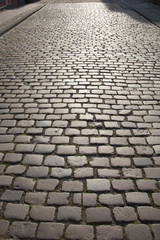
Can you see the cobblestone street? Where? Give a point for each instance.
(80, 124)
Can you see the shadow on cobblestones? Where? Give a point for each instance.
(80, 125)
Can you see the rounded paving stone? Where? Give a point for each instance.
(138, 232)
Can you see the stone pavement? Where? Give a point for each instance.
(9, 18)
(80, 124)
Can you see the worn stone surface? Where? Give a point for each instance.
(58, 198)
(80, 123)
(111, 199)
(138, 232)
(69, 214)
(98, 215)
(109, 232)
(23, 229)
(156, 230)
(149, 214)
(50, 230)
(16, 211)
(80, 232)
(39, 213)
(124, 214)
(98, 185)
(3, 227)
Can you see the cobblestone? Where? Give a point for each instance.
(3, 227)
(47, 184)
(156, 230)
(124, 214)
(98, 215)
(11, 196)
(35, 197)
(39, 213)
(80, 123)
(61, 172)
(23, 229)
(149, 214)
(24, 183)
(137, 198)
(138, 231)
(37, 172)
(98, 185)
(111, 199)
(109, 232)
(50, 230)
(16, 211)
(67, 213)
(81, 232)
(58, 198)
(5, 180)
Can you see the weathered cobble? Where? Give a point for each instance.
(80, 124)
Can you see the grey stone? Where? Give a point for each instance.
(54, 161)
(25, 148)
(111, 199)
(123, 185)
(152, 172)
(83, 172)
(16, 169)
(47, 184)
(77, 199)
(11, 196)
(138, 232)
(16, 211)
(44, 148)
(156, 198)
(89, 199)
(125, 151)
(5, 180)
(103, 150)
(108, 173)
(156, 230)
(109, 232)
(142, 161)
(100, 162)
(120, 162)
(35, 197)
(36, 172)
(4, 147)
(124, 214)
(40, 139)
(61, 172)
(67, 213)
(60, 140)
(13, 157)
(72, 186)
(87, 150)
(66, 150)
(149, 214)
(58, 198)
(23, 229)
(24, 183)
(137, 198)
(144, 150)
(77, 161)
(98, 215)
(132, 173)
(50, 230)
(146, 185)
(98, 185)
(3, 227)
(81, 232)
(33, 159)
(40, 213)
